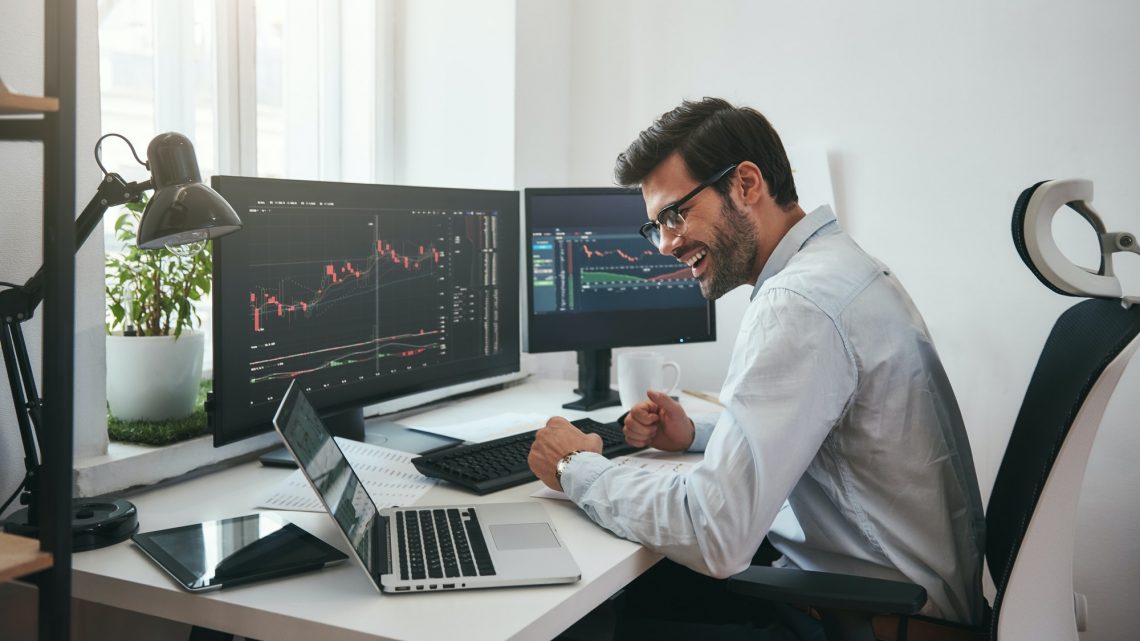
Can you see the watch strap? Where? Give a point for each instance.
(561, 465)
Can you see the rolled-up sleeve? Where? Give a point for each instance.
(790, 380)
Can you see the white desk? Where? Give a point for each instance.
(340, 602)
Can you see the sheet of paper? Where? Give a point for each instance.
(388, 475)
(647, 462)
(486, 429)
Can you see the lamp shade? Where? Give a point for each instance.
(183, 209)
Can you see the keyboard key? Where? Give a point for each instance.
(415, 546)
(478, 545)
(462, 547)
(431, 545)
(446, 544)
(401, 538)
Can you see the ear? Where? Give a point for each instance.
(749, 186)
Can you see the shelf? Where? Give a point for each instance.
(14, 103)
(20, 555)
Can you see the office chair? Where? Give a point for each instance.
(1031, 516)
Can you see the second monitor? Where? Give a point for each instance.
(596, 284)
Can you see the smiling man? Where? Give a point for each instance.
(840, 442)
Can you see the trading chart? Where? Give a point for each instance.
(339, 296)
(585, 271)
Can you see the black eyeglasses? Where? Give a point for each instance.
(671, 218)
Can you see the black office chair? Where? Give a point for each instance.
(1031, 516)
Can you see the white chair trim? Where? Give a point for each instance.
(1038, 598)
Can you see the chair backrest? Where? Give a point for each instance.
(1031, 516)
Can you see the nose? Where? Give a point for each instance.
(669, 241)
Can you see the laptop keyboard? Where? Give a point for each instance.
(502, 463)
(441, 543)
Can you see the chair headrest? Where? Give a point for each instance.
(1033, 236)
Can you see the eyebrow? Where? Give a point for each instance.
(674, 204)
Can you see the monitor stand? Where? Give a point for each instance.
(594, 381)
(351, 424)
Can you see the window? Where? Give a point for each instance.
(250, 85)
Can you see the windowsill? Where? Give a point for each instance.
(127, 465)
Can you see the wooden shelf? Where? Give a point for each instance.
(14, 103)
(20, 555)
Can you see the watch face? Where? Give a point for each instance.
(561, 465)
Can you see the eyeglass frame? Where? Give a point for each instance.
(653, 227)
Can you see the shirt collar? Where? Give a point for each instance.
(792, 242)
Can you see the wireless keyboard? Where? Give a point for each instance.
(501, 463)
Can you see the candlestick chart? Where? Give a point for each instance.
(344, 297)
(581, 272)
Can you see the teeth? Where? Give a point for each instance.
(695, 257)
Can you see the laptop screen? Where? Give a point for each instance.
(322, 462)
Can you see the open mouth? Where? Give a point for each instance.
(696, 261)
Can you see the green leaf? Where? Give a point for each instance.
(164, 287)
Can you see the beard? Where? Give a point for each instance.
(733, 249)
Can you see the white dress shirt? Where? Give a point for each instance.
(841, 440)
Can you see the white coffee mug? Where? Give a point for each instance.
(638, 372)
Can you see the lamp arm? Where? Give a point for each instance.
(17, 305)
(26, 401)
(113, 191)
(24, 394)
(173, 171)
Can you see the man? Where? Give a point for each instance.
(840, 439)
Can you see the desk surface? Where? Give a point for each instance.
(339, 601)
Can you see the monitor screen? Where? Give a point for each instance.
(594, 283)
(362, 293)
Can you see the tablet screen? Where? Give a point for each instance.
(233, 551)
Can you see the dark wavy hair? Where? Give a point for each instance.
(711, 134)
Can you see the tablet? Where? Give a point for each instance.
(228, 552)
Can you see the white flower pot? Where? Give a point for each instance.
(153, 378)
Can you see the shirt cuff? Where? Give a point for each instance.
(580, 473)
(703, 425)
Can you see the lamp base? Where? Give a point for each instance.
(95, 523)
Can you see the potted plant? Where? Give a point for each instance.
(154, 359)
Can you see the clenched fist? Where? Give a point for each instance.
(554, 441)
(659, 422)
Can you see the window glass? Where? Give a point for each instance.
(270, 53)
(314, 76)
(147, 89)
(126, 77)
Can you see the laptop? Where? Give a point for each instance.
(420, 549)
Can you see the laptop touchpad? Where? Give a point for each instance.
(523, 536)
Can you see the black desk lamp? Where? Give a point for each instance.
(182, 210)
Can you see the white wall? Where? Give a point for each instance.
(935, 115)
(454, 93)
(21, 237)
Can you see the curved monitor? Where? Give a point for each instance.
(594, 284)
(362, 293)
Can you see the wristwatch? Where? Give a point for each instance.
(560, 466)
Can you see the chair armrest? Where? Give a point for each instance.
(825, 590)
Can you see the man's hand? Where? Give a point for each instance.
(554, 441)
(659, 422)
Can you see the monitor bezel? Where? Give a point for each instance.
(560, 333)
(228, 424)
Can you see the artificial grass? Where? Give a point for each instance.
(163, 432)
